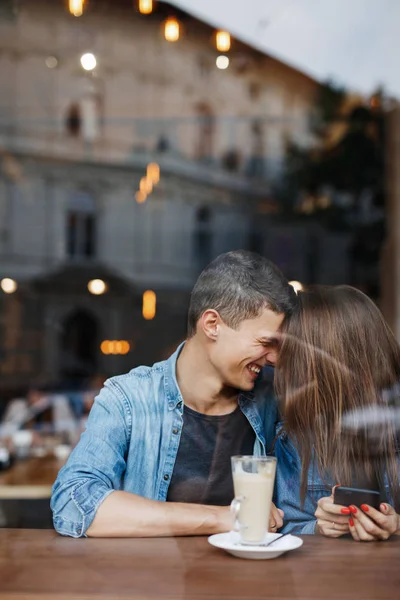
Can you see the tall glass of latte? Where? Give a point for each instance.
(253, 482)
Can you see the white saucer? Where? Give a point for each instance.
(231, 544)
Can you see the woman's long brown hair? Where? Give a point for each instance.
(337, 356)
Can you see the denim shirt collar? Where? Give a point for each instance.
(172, 392)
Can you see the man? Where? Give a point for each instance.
(155, 457)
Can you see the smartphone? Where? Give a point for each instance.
(347, 496)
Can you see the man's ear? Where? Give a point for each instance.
(210, 324)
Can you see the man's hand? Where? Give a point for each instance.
(275, 518)
(332, 519)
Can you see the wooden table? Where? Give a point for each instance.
(41, 565)
(30, 479)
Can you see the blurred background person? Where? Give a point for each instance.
(32, 411)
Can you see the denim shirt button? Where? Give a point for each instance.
(79, 531)
(166, 477)
(179, 405)
(175, 431)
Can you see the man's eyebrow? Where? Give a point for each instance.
(265, 339)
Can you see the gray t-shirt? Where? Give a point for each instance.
(202, 472)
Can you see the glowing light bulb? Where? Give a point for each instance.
(145, 7)
(97, 287)
(149, 305)
(172, 29)
(223, 41)
(222, 62)
(9, 286)
(88, 61)
(76, 7)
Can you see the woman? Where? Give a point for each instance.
(339, 364)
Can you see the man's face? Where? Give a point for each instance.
(240, 354)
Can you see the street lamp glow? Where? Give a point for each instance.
(9, 286)
(97, 287)
(88, 61)
(222, 62)
(298, 287)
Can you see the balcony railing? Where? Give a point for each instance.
(245, 148)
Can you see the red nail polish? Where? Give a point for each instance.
(364, 507)
(351, 522)
(353, 509)
(384, 507)
(345, 511)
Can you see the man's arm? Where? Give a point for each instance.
(127, 515)
(87, 499)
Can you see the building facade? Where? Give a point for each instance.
(75, 146)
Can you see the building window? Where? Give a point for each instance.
(254, 90)
(203, 66)
(256, 164)
(73, 121)
(81, 226)
(203, 237)
(206, 132)
(9, 191)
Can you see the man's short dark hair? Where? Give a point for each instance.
(239, 285)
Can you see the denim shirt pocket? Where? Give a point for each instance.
(317, 490)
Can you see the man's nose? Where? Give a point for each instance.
(271, 357)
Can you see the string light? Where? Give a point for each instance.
(153, 172)
(149, 305)
(146, 186)
(223, 41)
(76, 7)
(140, 197)
(145, 7)
(171, 29)
(115, 347)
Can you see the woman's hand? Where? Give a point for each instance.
(369, 525)
(275, 518)
(332, 519)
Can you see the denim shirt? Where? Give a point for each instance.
(299, 518)
(131, 442)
